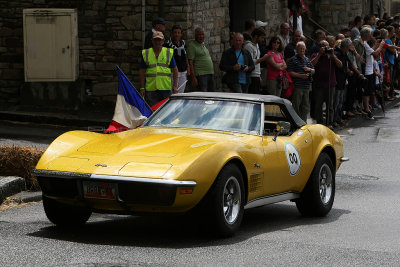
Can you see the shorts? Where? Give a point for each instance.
(369, 87)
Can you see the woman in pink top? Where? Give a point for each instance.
(275, 65)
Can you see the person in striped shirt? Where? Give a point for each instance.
(301, 70)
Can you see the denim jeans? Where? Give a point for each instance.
(206, 83)
(338, 105)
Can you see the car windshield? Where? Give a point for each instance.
(223, 115)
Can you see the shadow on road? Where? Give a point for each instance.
(180, 231)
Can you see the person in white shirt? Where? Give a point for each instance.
(366, 35)
(299, 20)
(258, 36)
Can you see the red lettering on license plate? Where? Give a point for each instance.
(99, 190)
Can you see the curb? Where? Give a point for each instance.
(10, 185)
(29, 196)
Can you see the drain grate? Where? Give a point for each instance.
(358, 177)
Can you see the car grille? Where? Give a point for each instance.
(59, 187)
(255, 183)
(152, 194)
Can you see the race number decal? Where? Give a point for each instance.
(293, 158)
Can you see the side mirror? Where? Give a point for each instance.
(282, 128)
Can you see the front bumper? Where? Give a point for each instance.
(130, 191)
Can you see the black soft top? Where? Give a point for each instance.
(245, 97)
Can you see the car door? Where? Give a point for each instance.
(287, 156)
(295, 151)
(276, 179)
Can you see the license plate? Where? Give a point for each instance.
(99, 190)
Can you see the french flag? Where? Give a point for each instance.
(130, 109)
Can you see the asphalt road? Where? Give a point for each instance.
(362, 229)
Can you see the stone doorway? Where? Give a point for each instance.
(240, 11)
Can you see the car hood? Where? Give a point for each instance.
(155, 142)
(144, 152)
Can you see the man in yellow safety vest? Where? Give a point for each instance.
(155, 71)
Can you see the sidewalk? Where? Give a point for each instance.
(80, 118)
(358, 119)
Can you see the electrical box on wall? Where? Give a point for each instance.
(51, 51)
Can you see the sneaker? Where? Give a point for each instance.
(370, 116)
(377, 105)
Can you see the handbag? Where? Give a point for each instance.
(287, 84)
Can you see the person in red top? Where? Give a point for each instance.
(275, 65)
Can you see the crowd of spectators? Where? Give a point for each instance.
(352, 73)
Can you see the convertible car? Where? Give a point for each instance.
(216, 153)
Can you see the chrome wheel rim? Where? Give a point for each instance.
(325, 183)
(231, 200)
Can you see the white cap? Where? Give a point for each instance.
(259, 24)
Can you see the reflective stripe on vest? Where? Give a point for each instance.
(158, 72)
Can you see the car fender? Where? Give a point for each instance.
(325, 140)
(64, 145)
(209, 164)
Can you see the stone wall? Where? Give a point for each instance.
(335, 15)
(110, 33)
(213, 17)
(276, 12)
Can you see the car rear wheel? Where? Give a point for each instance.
(63, 214)
(318, 195)
(226, 201)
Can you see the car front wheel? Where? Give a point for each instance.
(319, 193)
(226, 202)
(63, 214)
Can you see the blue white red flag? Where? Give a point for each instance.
(130, 109)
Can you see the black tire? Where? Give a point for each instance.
(225, 201)
(318, 195)
(65, 215)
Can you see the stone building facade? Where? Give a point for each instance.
(110, 33)
(335, 15)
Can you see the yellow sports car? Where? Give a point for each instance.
(218, 153)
